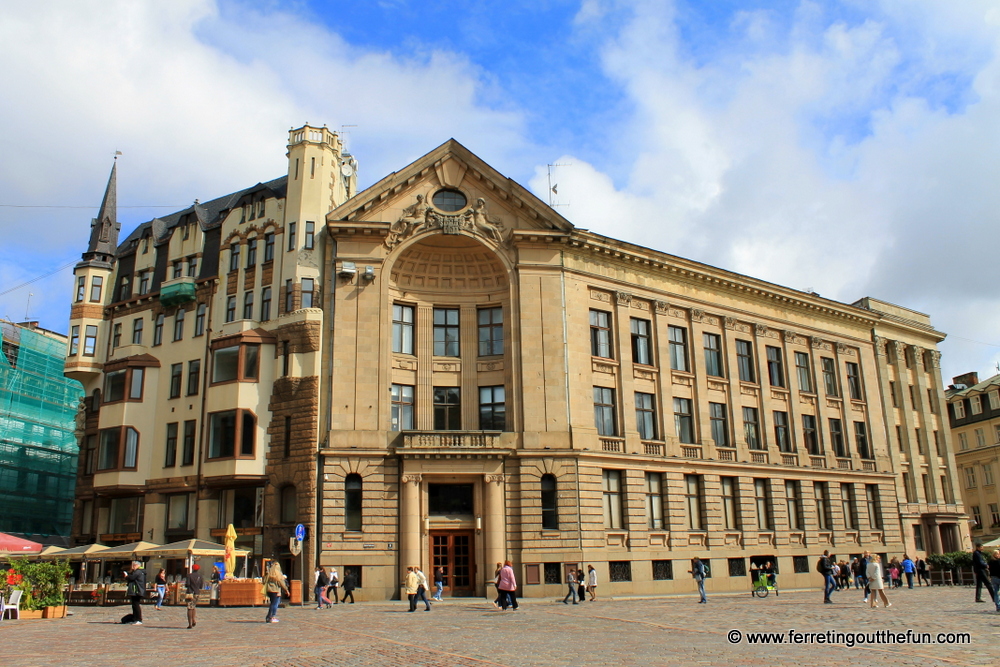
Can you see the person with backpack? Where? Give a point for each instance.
(698, 573)
(332, 587)
(825, 567)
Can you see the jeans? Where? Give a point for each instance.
(321, 599)
(701, 589)
(272, 607)
(508, 599)
(422, 595)
(161, 591)
(909, 579)
(440, 589)
(348, 592)
(572, 593)
(829, 587)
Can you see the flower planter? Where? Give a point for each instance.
(31, 613)
(54, 612)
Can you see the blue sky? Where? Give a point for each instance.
(845, 146)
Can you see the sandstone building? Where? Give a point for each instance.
(442, 370)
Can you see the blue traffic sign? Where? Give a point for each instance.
(300, 532)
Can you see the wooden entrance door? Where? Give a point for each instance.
(452, 551)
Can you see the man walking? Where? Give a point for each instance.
(697, 571)
(421, 587)
(825, 567)
(982, 571)
(136, 579)
(908, 569)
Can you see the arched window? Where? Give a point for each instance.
(550, 511)
(352, 502)
(289, 504)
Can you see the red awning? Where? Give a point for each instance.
(16, 545)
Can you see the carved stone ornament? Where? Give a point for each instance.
(879, 345)
(816, 342)
(935, 359)
(420, 215)
(498, 479)
(415, 479)
(661, 307)
(599, 296)
(918, 355)
(623, 298)
(730, 322)
(697, 315)
(760, 329)
(792, 337)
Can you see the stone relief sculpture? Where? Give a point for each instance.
(414, 216)
(423, 216)
(482, 223)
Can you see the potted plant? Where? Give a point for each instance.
(42, 586)
(941, 568)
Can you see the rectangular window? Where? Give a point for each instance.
(194, 377)
(179, 324)
(137, 331)
(642, 348)
(309, 239)
(907, 487)
(713, 355)
(930, 401)
(135, 384)
(762, 496)
(803, 372)
(447, 409)
(600, 334)
(74, 340)
(645, 415)
(692, 502)
(291, 236)
(114, 386)
(492, 408)
(158, 330)
(994, 399)
(230, 308)
(781, 435)
(751, 428)
(177, 268)
(446, 332)
(265, 304)
(977, 518)
(490, 331)
(793, 500)
(402, 407)
(269, 247)
(402, 329)
(775, 367)
(683, 421)
(116, 335)
(720, 423)
(744, 360)
(861, 438)
(176, 372)
(854, 381)
(612, 488)
(232, 433)
(199, 319)
(925, 480)
(144, 282)
(678, 348)
(251, 253)
(96, 283)
(809, 436)
(987, 474)
(125, 288)
(193, 266)
(236, 362)
(81, 288)
(822, 505)
(234, 257)
(874, 506)
(980, 437)
(730, 504)
(837, 438)
(937, 443)
(90, 340)
(663, 570)
(308, 289)
(171, 450)
(604, 411)
(975, 404)
(959, 409)
(994, 515)
(892, 394)
(187, 450)
(970, 478)
(654, 500)
(963, 441)
(248, 306)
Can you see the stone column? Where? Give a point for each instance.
(494, 540)
(934, 533)
(409, 516)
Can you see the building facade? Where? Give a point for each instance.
(974, 412)
(38, 444)
(448, 373)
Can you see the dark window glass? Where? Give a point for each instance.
(775, 367)
(268, 246)
(199, 319)
(248, 306)
(309, 239)
(187, 453)
(762, 499)
(692, 502)
(830, 377)
(645, 415)
(492, 409)
(803, 371)
(604, 411)
(308, 292)
(265, 304)
(95, 288)
(810, 438)
(137, 331)
(781, 436)
(176, 371)
(720, 423)
(794, 503)
(116, 335)
(234, 257)
(251, 253)
(854, 381)
(179, 324)
(861, 439)
(663, 570)
(222, 436)
(678, 348)
(158, 330)
(446, 332)
(114, 386)
(822, 505)
(352, 502)
(642, 349)
(449, 201)
(683, 422)
(226, 364)
(654, 501)
(744, 360)
(713, 355)
(290, 508)
(837, 437)
(600, 334)
(751, 428)
(447, 409)
(291, 236)
(490, 331)
(450, 499)
(194, 377)
(550, 508)
(171, 450)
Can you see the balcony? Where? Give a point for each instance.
(177, 291)
(479, 440)
(612, 445)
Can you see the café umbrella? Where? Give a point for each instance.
(230, 556)
(17, 546)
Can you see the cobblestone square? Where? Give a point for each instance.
(466, 632)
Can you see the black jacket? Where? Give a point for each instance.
(136, 582)
(979, 561)
(349, 583)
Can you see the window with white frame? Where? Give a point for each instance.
(976, 405)
(959, 409)
(970, 478)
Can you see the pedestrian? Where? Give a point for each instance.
(411, 582)
(994, 567)
(768, 570)
(331, 591)
(507, 586)
(863, 569)
(216, 578)
(161, 588)
(496, 584)
(136, 578)
(592, 582)
(825, 567)
(697, 571)
(572, 582)
(422, 587)
(893, 575)
(193, 585)
(875, 582)
(982, 572)
(320, 584)
(908, 569)
(835, 573)
(350, 583)
(855, 573)
(438, 583)
(274, 584)
(922, 572)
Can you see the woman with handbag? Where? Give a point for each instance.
(161, 588)
(194, 583)
(274, 584)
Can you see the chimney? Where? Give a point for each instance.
(968, 379)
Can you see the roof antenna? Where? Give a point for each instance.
(554, 189)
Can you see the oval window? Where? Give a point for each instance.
(449, 201)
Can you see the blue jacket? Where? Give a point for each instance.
(908, 566)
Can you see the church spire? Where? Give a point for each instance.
(104, 228)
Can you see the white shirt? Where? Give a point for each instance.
(592, 578)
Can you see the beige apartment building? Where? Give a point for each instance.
(441, 370)
(974, 411)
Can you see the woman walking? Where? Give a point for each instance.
(496, 585)
(507, 587)
(592, 582)
(319, 588)
(194, 584)
(875, 582)
(161, 588)
(331, 590)
(274, 584)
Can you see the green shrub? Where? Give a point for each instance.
(42, 583)
(941, 562)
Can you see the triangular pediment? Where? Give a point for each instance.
(494, 205)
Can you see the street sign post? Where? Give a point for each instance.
(295, 545)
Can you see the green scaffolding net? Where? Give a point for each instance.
(38, 449)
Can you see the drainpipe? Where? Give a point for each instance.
(206, 375)
(576, 459)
